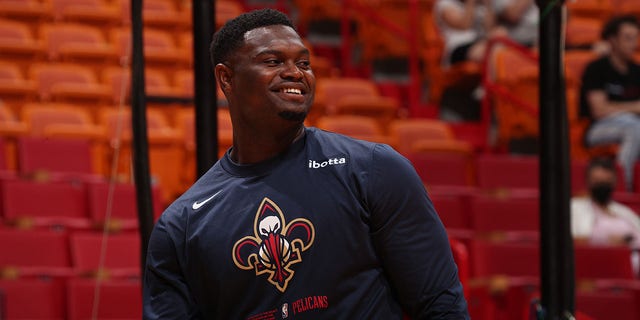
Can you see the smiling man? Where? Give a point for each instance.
(295, 222)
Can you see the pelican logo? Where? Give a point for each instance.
(275, 246)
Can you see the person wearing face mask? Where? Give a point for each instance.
(597, 218)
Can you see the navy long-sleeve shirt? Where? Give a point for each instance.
(333, 228)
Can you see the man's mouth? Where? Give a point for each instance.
(291, 91)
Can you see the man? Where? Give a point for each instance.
(520, 18)
(610, 94)
(295, 222)
(598, 219)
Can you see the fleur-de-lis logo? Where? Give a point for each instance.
(275, 246)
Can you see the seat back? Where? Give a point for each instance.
(58, 156)
(32, 299)
(122, 253)
(25, 249)
(504, 258)
(507, 171)
(52, 203)
(119, 299)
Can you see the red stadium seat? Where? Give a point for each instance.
(28, 203)
(28, 253)
(57, 157)
(619, 305)
(123, 214)
(603, 262)
(122, 254)
(453, 210)
(118, 299)
(507, 171)
(35, 299)
(505, 213)
(442, 168)
(489, 258)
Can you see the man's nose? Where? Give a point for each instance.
(291, 71)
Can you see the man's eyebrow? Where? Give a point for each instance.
(303, 51)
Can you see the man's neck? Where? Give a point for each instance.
(619, 63)
(255, 148)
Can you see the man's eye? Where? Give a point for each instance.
(272, 62)
(304, 64)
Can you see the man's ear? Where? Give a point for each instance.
(223, 76)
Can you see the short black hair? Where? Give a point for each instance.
(601, 162)
(231, 35)
(612, 27)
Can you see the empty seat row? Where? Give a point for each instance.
(74, 299)
(58, 254)
(71, 204)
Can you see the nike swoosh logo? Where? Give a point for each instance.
(197, 205)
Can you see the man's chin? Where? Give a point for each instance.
(295, 116)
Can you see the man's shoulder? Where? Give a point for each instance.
(598, 65)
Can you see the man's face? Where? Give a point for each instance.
(271, 77)
(625, 43)
(599, 175)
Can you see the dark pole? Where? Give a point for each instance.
(139, 126)
(206, 118)
(556, 244)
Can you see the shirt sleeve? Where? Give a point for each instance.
(165, 292)
(411, 240)
(592, 78)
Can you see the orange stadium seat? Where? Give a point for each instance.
(64, 121)
(582, 32)
(30, 253)
(68, 83)
(382, 109)
(32, 299)
(164, 148)
(186, 125)
(592, 9)
(25, 10)
(576, 61)
(159, 14)
(121, 260)
(60, 120)
(227, 10)
(330, 90)
(118, 80)
(118, 299)
(78, 43)
(123, 215)
(60, 203)
(10, 129)
(406, 132)
(14, 88)
(160, 49)
(359, 127)
(17, 43)
(97, 12)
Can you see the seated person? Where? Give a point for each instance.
(610, 94)
(596, 218)
(465, 26)
(519, 18)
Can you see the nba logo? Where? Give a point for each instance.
(285, 311)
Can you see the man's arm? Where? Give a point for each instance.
(166, 294)
(411, 241)
(601, 106)
(512, 11)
